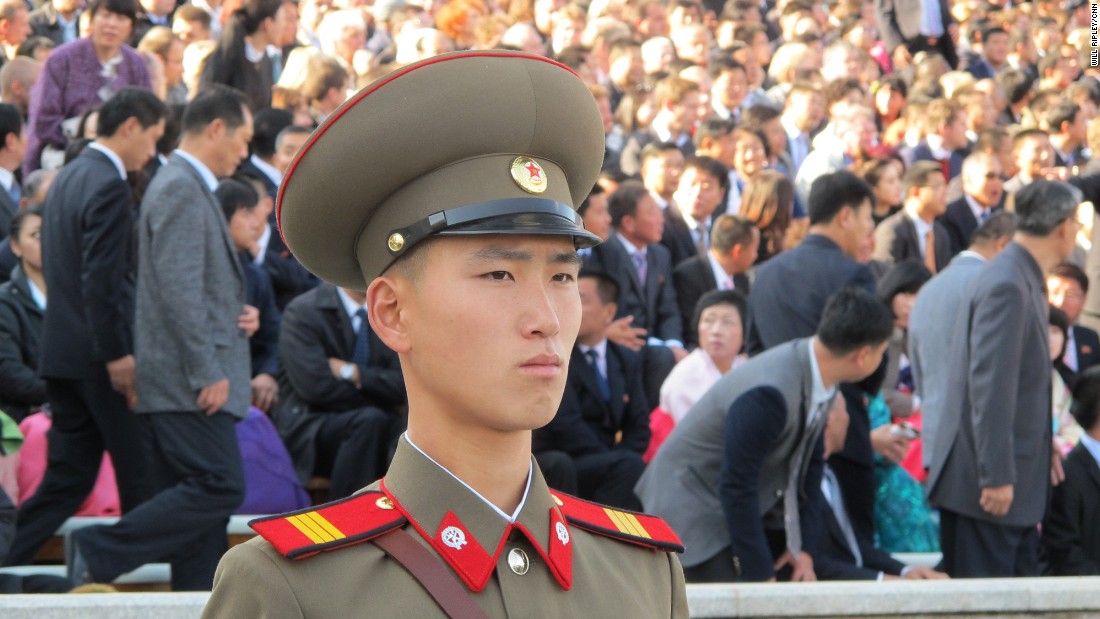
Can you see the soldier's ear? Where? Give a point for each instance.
(384, 308)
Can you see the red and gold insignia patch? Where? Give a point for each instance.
(633, 527)
(350, 521)
(529, 175)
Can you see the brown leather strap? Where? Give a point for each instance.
(430, 572)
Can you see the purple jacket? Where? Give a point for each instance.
(70, 85)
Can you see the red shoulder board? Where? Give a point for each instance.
(633, 527)
(347, 522)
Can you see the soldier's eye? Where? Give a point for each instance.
(498, 275)
(564, 277)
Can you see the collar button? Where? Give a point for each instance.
(518, 561)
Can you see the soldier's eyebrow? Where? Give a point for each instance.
(567, 257)
(495, 253)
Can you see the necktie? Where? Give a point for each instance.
(982, 216)
(15, 192)
(945, 166)
(930, 250)
(836, 502)
(593, 360)
(362, 340)
(640, 265)
(701, 234)
(791, 524)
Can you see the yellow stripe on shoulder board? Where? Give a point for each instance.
(325, 525)
(316, 527)
(627, 523)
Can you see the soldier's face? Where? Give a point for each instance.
(490, 322)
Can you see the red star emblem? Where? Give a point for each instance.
(534, 170)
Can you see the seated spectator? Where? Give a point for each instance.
(603, 420)
(719, 324)
(595, 214)
(1067, 124)
(1067, 287)
(702, 188)
(22, 306)
(57, 20)
(13, 145)
(735, 479)
(945, 141)
(1066, 431)
(884, 177)
(768, 202)
(983, 193)
(662, 164)
(1071, 529)
(734, 243)
(914, 233)
(843, 555)
(239, 199)
(854, 134)
(677, 111)
(341, 391)
(80, 76)
(1033, 156)
(240, 58)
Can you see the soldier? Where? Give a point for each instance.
(448, 190)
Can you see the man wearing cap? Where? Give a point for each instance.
(467, 251)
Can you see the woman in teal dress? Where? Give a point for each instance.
(903, 519)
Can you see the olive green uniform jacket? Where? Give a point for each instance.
(571, 572)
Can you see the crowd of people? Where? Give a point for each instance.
(796, 203)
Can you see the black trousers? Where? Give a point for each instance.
(723, 567)
(354, 448)
(609, 478)
(975, 548)
(197, 466)
(88, 418)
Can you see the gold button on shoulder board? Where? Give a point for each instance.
(384, 503)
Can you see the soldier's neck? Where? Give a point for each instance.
(495, 464)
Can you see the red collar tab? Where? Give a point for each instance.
(347, 522)
(557, 551)
(632, 527)
(463, 553)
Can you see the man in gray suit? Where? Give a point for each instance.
(193, 360)
(992, 462)
(736, 477)
(932, 320)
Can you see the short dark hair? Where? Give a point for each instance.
(832, 192)
(625, 200)
(854, 318)
(597, 190)
(190, 12)
(754, 118)
(654, 149)
(214, 102)
(712, 167)
(130, 102)
(266, 125)
(1062, 112)
(719, 297)
(1042, 205)
(1027, 134)
(126, 8)
(235, 194)
(1068, 270)
(1086, 398)
(729, 231)
(998, 226)
(905, 277)
(20, 218)
(607, 287)
(918, 175)
(1015, 83)
(723, 64)
(11, 121)
(714, 128)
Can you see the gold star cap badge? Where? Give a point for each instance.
(529, 175)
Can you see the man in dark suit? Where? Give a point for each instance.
(911, 26)
(261, 163)
(791, 289)
(636, 260)
(13, 141)
(737, 479)
(914, 233)
(341, 393)
(946, 141)
(992, 466)
(702, 188)
(1071, 529)
(1067, 123)
(87, 345)
(983, 192)
(734, 242)
(190, 333)
(842, 554)
(1067, 287)
(1033, 156)
(603, 420)
(57, 21)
